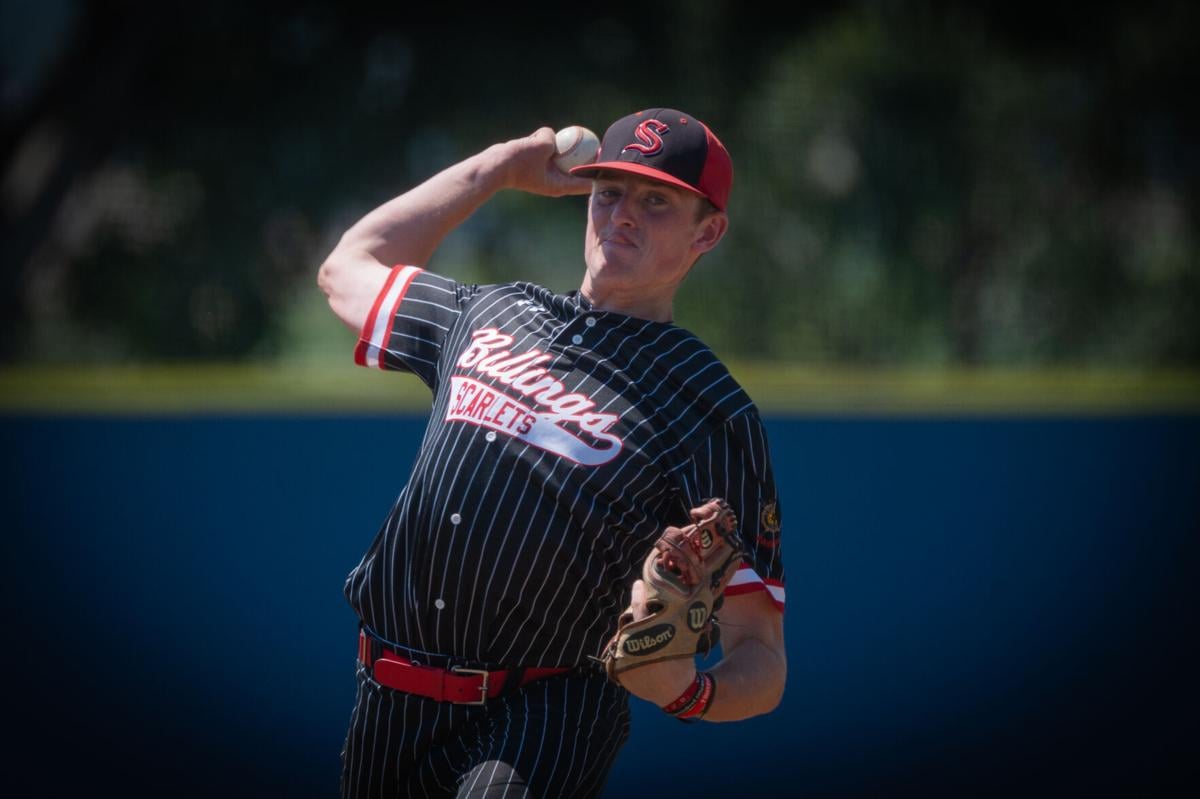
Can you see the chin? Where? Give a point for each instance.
(615, 257)
(598, 262)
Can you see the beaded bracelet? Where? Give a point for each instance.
(693, 703)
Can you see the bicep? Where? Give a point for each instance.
(352, 281)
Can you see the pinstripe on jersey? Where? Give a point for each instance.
(560, 442)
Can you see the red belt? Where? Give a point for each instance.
(458, 685)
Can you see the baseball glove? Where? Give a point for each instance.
(684, 577)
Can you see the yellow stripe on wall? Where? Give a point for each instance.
(340, 388)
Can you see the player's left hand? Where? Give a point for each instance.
(659, 682)
(670, 615)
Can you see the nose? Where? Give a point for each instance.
(622, 212)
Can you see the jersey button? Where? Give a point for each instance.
(439, 603)
(491, 435)
(455, 518)
(590, 321)
(576, 339)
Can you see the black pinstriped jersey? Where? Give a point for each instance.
(560, 442)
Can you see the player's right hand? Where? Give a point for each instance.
(529, 166)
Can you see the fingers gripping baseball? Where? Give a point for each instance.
(530, 167)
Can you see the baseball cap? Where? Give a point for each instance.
(668, 145)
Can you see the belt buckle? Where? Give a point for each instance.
(483, 689)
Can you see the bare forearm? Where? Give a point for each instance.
(409, 228)
(750, 682)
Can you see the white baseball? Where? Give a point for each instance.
(575, 146)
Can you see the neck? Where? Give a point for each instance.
(647, 306)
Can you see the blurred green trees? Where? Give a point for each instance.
(915, 184)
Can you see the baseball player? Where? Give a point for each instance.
(591, 487)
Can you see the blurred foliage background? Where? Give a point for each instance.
(918, 185)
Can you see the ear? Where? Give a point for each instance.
(710, 232)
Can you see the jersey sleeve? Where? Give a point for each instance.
(409, 321)
(735, 464)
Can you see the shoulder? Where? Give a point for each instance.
(468, 293)
(706, 380)
(499, 301)
(517, 291)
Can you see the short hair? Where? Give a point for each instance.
(705, 208)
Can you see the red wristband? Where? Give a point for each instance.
(687, 697)
(693, 703)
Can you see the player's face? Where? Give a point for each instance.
(643, 236)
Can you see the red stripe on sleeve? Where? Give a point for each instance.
(749, 588)
(364, 335)
(387, 335)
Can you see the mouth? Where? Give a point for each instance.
(618, 240)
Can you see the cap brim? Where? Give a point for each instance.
(589, 170)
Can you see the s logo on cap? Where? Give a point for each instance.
(649, 133)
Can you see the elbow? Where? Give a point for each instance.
(335, 271)
(340, 272)
(772, 695)
(331, 280)
(351, 280)
(324, 278)
(332, 272)
(327, 276)
(775, 698)
(336, 279)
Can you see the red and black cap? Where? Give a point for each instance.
(668, 145)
